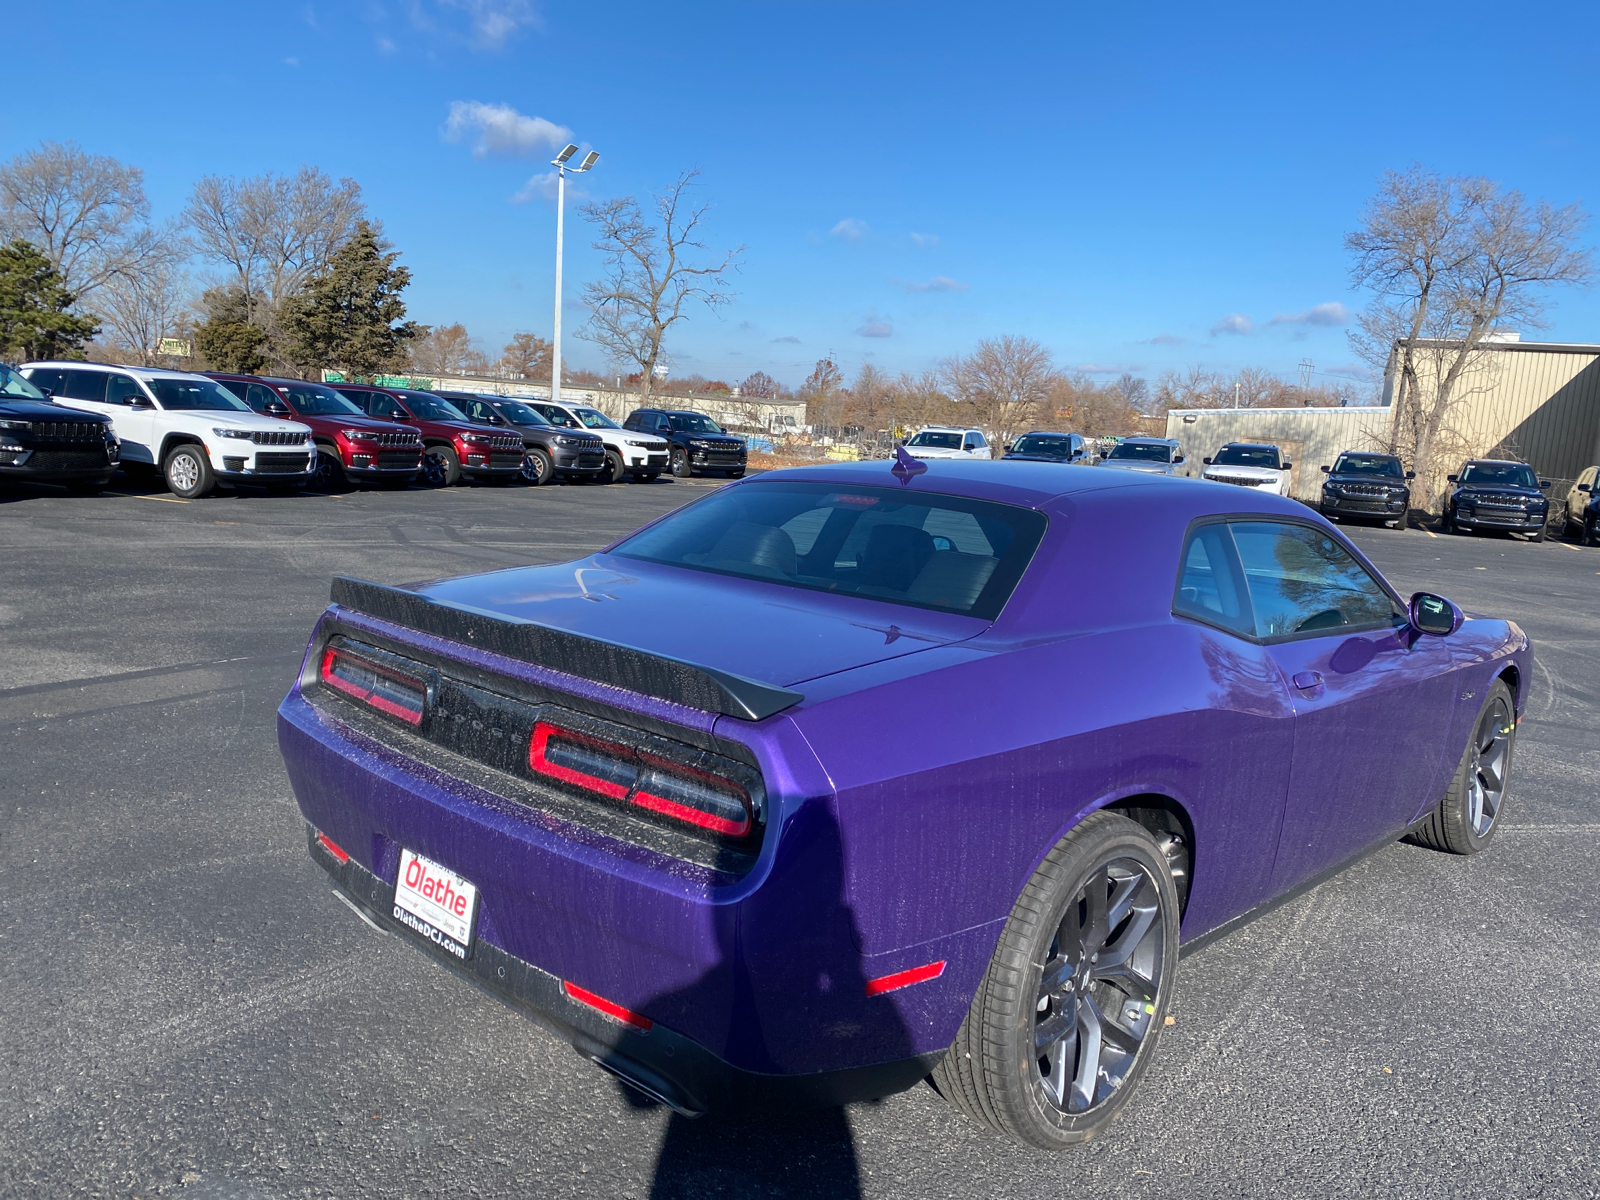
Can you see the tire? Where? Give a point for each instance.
(441, 466)
(188, 472)
(537, 469)
(680, 467)
(330, 476)
(1466, 819)
(615, 471)
(1544, 532)
(1043, 982)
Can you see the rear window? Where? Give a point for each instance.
(949, 553)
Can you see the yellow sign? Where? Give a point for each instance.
(176, 347)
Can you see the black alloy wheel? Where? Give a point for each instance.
(680, 463)
(1466, 819)
(1068, 1017)
(330, 476)
(441, 466)
(615, 471)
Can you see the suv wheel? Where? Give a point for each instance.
(537, 469)
(441, 467)
(330, 476)
(615, 471)
(680, 463)
(188, 471)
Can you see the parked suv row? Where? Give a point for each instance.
(695, 442)
(548, 452)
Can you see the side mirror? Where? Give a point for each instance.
(1433, 615)
(496, 420)
(1544, 485)
(1326, 469)
(1413, 475)
(278, 410)
(1450, 478)
(1584, 487)
(140, 401)
(49, 394)
(1286, 465)
(1207, 461)
(1007, 448)
(1178, 461)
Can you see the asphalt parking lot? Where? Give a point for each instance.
(188, 1011)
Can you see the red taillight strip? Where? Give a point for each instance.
(695, 816)
(900, 979)
(536, 759)
(381, 703)
(332, 848)
(601, 1004)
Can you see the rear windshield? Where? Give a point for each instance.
(948, 553)
(1043, 443)
(1361, 464)
(1501, 474)
(195, 395)
(314, 400)
(936, 441)
(1142, 452)
(1247, 456)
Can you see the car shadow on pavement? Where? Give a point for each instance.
(795, 1003)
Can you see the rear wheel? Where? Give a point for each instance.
(1067, 1018)
(188, 471)
(441, 466)
(615, 471)
(1465, 821)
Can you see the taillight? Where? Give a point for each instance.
(618, 772)
(382, 687)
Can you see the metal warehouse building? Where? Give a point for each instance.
(1534, 401)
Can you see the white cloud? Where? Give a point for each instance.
(291, 62)
(1090, 368)
(789, 339)
(851, 229)
(494, 21)
(501, 129)
(939, 283)
(540, 187)
(1164, 339)
(1333, 313)
(1236, 323)
(924, 241)
(385, 46)
(876, 327)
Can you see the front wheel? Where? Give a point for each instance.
(1067, 1018)
(680, 465)
(441, 466)
(329, 476)
(1465, 820)
(615, 471)
(537, 468)
(188, 472)
(1544, 531)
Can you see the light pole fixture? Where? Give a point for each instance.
(560, 163)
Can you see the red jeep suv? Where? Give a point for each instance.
(453, 445)
(351, 446)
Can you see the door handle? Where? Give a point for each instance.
(1308, 681)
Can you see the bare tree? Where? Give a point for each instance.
(1450, 260)
(649, 280)
(443, 350)
(86, 212)
(526, 356)
(273, 233)
(759, 385)
(1133, 390)
(144, 305)
(1005, 380)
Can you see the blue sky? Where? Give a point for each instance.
(1137, 187)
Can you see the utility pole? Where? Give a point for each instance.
(1236, 393)
(559, 162)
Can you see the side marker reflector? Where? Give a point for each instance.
(615, 1011)
(332, 848)
(900, 979)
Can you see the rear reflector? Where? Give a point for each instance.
(383, 688)
(601, 1004)
(900, 979)
(619, 772)
(332, 848)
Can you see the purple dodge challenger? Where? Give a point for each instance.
(846, 777)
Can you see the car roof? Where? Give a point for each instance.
(1139, 437)
(118, 368)
(1048, 433)
(1366, 454)
(1249, 445)
(1494, 462)
(949, 429)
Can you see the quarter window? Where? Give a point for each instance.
(1302, 581)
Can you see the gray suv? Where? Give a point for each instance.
(1151, 456)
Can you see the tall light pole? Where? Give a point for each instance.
(559, 162)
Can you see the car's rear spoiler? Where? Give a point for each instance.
(589, 658)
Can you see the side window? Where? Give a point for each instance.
(120, 389)
(85, 385)
(1302, 581)
(256, 396)
(979, 442)
(1209, 585)
(47, 379)
(477, 410)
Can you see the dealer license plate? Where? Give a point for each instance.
(436, 903)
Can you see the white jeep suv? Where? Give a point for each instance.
(946, 441)
(627, 452)
(1247, 464)
(196, 431)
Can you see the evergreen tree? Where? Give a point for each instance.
(34, 321)
(351, 317)
(228, 340)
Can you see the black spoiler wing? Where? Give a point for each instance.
(589, 658)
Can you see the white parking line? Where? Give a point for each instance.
(1430, 533)
(163, 499)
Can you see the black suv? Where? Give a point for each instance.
(1366, 486)
(698, 443)
(1495, 494)
(41, 442)
(548, 451)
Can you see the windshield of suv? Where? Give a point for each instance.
(1247, 456)
(595, 419)
(948, 553)
(195, 394)
(1043, 443)
(431, 408)
(12, 384)
(1142, 452)
(313, 400)
(520, 414)
(693, 423)
(936, 441)
(1365, 464)
(1502, 474)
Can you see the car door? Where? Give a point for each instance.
(1578, 498)
(1373, 699)
(136, 427)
